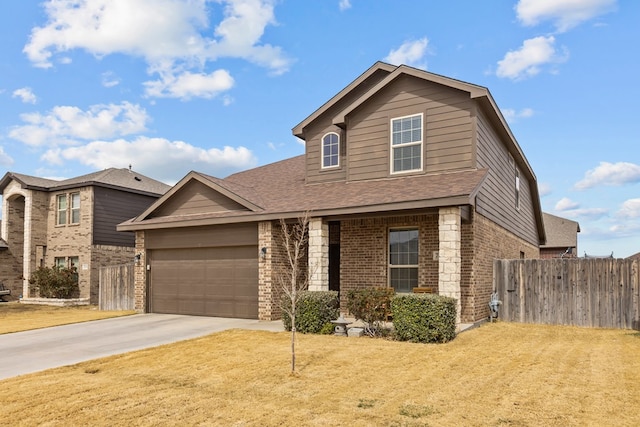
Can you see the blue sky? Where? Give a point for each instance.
(171, 86)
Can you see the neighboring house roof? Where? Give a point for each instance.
(278, 190)
(561, 232)
(635, 257)
(122, 179)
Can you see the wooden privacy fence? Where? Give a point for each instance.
(578, 291)
(116, 287)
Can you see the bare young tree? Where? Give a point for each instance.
(294, 277)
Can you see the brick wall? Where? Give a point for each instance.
(11, 273)
(140, 287)
(364, 251)
(488, 241)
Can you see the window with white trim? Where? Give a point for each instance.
(406, 143)
(61, 209)
(74, 198)
(403, 259)
(517, 185)
(330, 150)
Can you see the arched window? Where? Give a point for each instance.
(330, 150)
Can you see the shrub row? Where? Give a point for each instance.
(424, 318)
(55, 282)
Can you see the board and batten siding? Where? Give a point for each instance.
(447, 128)
(322, 125)
(194, 198)
(110, 208)
(497, 198)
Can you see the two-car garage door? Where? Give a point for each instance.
(208, 271)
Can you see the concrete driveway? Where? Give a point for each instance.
(40, 349)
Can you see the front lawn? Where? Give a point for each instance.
(497, 375)
(16, 317)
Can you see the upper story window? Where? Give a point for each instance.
(517, 184)
(61, 209)
(406, 143)
(330, 150)
(68, 208)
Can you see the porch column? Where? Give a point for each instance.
(318, 255)
(449, 256)
(26, 257)
(268, 308)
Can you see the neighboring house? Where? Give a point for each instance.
(562, 237)
(412, 180)
(70, 223)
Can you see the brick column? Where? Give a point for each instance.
(26, 258)
(265, 271)
(318, 255)
(140, 275)
(449, 256)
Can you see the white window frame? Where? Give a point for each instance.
(59, 211)
(517, 188)
(402, 266)
(408, 144)
(328, 156)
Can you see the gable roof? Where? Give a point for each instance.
(561, 232)
(282, 192)
(120, 179)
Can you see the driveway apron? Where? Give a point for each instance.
(40, 349)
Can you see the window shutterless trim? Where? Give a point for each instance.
(329, 156)
(419, 143)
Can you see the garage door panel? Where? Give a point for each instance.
(220, 281)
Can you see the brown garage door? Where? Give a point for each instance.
(219, 281)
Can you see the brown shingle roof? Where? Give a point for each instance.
(561, 232)
(282, 192)
(125, 179)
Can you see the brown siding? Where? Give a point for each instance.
(447, 128)
(207, 236)
(323, 124)
(497, 198)
(196, 197)
(111, 207)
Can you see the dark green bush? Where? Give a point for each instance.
(424, 318)
(372, 306)
(55, 282)
(314, 312)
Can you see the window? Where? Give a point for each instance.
(60, 262)
(330, 150)
(403, 259)
(517, 189)
(406, 143)
(75, 208)
(61, 206)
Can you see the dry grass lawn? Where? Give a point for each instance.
(497, 375)
(16, 317)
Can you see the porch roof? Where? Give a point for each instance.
(279, 190)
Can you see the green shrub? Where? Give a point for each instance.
(314, 310)
(55, 282)
(424, 318)
(372, 306)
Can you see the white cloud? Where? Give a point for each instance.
(5, 159)
(26, 95)
(565, 14)
(526, 61)
(565, 204)
(544, 189)
(65, 125)
(606, 173)
(344, 4)
(188, 85)
(409, 53)
(163, 159)
(109, 79)
(168, 34)
(630, 209)
(512, 115)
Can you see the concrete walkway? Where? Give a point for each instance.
(40, 349)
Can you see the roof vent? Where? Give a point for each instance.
(137, 178)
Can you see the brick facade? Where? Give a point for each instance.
(140, 274)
